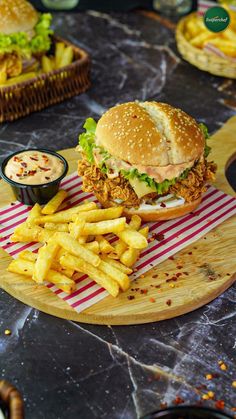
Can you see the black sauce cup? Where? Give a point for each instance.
(32, 194)
(188, 412)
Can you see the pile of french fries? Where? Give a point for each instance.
(199, 36)
(63, 56)
(73, 240)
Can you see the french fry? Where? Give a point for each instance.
(52, 206)
(27, 255)
(99, 215)
(19, 79)
(59, 51)
(199, 40)
(82, 239)
(144, 231)
(120, 277)
(130, 256)
(61, 281)
(32, 257)
(104, 227)
(133, 238)
(72, 246)
(93, 246)
(135, 222)
(65, 216)
(3, 75)
(105, 246)
(26, 234)
(57, 227)
(47, 64)
(67, 57)
(120, 247)
(94, 273)
(34, 213)
(46, 254)
(25, 267)
(76, 228)
(45, 235)
(117, 265)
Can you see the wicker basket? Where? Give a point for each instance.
(204, 60)
(46, 89)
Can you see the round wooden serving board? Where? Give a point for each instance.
(212, 255)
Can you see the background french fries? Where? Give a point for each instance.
(74, 242)
(199, 36)
(63, 56)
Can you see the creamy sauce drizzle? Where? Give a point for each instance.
(34, 168)
(169, 201)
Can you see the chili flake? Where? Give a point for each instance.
(144, 291)
(168, 302)
(178, 400)
(131, 297)
(152, 300)
(162, 205)
(219, 404)
(158, 236)
(155, 276)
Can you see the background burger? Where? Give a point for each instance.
(148, 157)
(24, 37)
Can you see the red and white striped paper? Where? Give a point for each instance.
(216, 207)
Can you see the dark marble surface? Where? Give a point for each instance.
(69, 370)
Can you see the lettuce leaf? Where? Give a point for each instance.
(161, 188)
(87, 139)
(42, 41)
(21, 43)
(204, 129)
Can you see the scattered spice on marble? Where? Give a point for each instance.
(152, 300)
(163, 405)
(222, 366)
(131, 297)
(168, 302)
(234, 384)
(219, 404)
(178, 400)
(7, 332)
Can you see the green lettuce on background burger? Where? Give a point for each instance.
(148, 157)
(24, 36)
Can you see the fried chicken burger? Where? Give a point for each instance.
(148, 157)
(24, 37)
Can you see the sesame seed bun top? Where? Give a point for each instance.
(150, 133)
(17, 16)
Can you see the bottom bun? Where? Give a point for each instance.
(158, 214)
